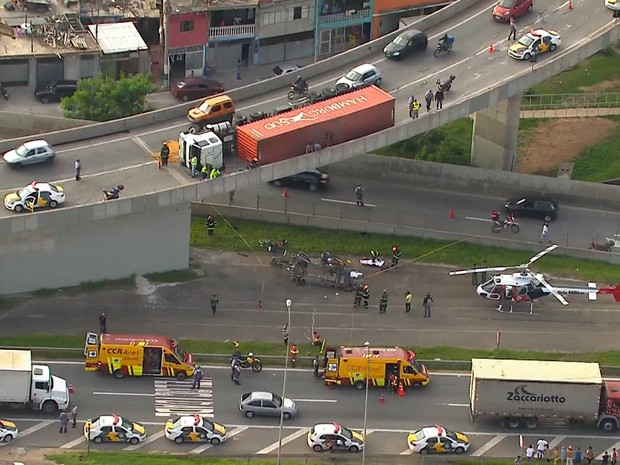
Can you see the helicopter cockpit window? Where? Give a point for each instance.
(488, 286)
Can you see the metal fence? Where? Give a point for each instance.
(574, 101)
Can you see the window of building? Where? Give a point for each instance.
(187, 25)
(290, 14)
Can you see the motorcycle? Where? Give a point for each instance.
(3, 92)
(445, 86)
(603, 246)
(113, 193)
(248, 362)
(275, 248)
(442, 48)
(497, 226)
(298, 91)
(374, 260)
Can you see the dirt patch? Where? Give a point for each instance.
(561, 140)
(605, 86)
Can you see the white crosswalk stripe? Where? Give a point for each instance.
(75, 442)
(286, 440)
(230, 435)
(150, 438)
(490, 444)
(174, 397)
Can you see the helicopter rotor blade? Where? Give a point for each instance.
(539, 255)
(555, 293)
(481, 270)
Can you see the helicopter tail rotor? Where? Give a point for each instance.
(615, 291)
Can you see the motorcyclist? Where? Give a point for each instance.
(446, 41)
(495, 216)
(510, 218)
(300, 85)
(250, 359)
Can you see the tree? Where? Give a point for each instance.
(104, 99)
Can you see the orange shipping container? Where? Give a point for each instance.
(331, 122)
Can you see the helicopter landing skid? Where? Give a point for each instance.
(500, 309)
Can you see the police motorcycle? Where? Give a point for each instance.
(298, 89)
(249, 361)
(114, 193)
(444, 45)
(446, 84)
(374, 260)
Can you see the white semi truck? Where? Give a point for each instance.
(524, 393)
(28, 384)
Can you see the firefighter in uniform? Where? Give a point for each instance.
(164, 153)
(395, 255)
(210, 225)
(366, 295)
(294, 351)
(359, 290)
(383, 301)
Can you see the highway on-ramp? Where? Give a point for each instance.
(126, 158)
(153, 401)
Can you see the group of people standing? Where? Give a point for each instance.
(362, 295)
(414, 105)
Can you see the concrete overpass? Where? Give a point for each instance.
(112, 240)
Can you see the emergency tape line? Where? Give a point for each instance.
(230, 435)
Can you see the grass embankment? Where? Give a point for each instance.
(261, 348)
(141, 458)
(600, 162)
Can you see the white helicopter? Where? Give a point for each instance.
(526, 286)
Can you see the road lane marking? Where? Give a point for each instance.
(406, 452)
(175, 397)
(326, 401)
(229, 436)
(458, 405)
(142, 144)
(486, 447)
(286, 440)
(37, 427)
(347, 202)
(72, 444)
(555, 441)
(477, 219)
(615, 446)
(130, 394)
(151, 438)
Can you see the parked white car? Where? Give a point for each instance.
(613, 4)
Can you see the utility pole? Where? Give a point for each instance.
(167, 8)
(317, 33)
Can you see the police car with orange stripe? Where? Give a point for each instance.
(194, 428)
(332, 436)
(8, 431)
(437, 440)
(113, 428)
(545, 39)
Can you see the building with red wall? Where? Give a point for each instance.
(188, 35)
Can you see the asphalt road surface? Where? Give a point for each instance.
(126, 158)
(152, 401)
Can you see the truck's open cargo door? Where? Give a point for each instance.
(91, 351)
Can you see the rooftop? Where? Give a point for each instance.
(117, 37)
(122, 8)
(52, 35)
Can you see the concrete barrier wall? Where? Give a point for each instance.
(33, 124)
(242, 93)
(337, 223)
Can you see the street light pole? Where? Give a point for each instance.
(317, 33)
(367, 346)
(167, 10)
(288, 325)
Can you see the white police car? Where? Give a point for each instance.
(8, 431)
(546, 41)
(437, 440)
(324, 436)
(113, 428)
(194, 428)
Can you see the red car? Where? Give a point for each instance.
(195, 88)
(506, 9)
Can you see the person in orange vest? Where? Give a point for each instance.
(293, 351)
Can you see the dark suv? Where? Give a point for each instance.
(54, 91)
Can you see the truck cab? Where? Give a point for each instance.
(49, 393)
(206, 146)
(609, 417)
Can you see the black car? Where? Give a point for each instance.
(313, 180)
(55, 91)
(408, 42)
(536, 207)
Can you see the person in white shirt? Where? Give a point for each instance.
(541, 445)
(529, 452)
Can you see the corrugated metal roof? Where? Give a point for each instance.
(307, 116)
(536, 370)
(15, 360)
(117, 37)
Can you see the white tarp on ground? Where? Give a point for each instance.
(117, 37)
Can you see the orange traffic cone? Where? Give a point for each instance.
(570, 5)
(70, 388)
(491, 48)
(381, 399)
(452, 215)
(401, 390)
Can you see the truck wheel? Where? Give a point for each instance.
(49, 407)
(531, 423)
(608, 425)
(181, 375)
(513, 423)
(118, 374)
(359, 385)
